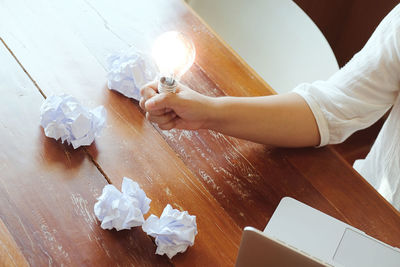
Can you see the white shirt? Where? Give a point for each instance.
(357, 96)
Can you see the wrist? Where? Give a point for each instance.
(213, 111)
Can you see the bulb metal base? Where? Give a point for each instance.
(167, 85)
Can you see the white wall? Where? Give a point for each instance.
(275, 37)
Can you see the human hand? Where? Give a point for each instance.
(184, 109)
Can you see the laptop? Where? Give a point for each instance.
(298, 235)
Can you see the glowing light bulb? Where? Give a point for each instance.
(174, 54)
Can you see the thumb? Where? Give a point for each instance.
(160, 101)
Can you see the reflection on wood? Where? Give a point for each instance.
(10, 254)
(48, 190)
(128, 144)
(226, 182)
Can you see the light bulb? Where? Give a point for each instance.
(174, 54)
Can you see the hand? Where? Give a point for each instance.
(184, 109)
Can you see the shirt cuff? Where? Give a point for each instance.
(318, 114)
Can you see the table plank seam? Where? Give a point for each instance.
(95, 163)
(99, 168)
(22, 67)
(44, 96)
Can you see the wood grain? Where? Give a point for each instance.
(240, 173)
(48, 190)
(129, 146)
(10, 254)
(226, 182)
(348, 192)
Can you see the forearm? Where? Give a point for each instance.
(281, 120)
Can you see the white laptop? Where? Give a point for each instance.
(298, 235)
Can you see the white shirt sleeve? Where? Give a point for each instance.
(362, 91)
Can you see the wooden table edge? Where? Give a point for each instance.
(229, 48)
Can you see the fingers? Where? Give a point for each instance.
(162, 101)
(147, 92)
(169, 125)
(141, 103)
(160, 107)
(151, 86)
(161, 119)
(165, 121)
(158, 112)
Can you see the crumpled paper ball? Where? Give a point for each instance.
(133, 190)
(62, 116)
(122, 210)
(174, 231)
(128, 71)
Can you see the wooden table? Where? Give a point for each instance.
(47, 190)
